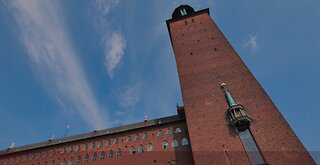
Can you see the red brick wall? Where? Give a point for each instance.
(205, 59)
(181, 154)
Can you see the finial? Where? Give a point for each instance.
(52, 137)
(223, 86)
(229, 98)
(11, 146)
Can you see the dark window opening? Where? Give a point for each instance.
(251, 147)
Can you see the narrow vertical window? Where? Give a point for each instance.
(93, 145)
(86, 158)
(110, 155)
(169, 132)
(137, 138)
(129, 139)
(52, 162)
(77, 149)
(251, 147)
(116, 141)
(183, 12)
(150, 147)
(71, 149)
(100, 144)
(63, 150)
(178, 130)
(70, 161)
(85, 147)
(165, 144)
(132, 150)
(184, 141)
(78, 160)
(102, 155)
(175, 143)
(146, 136)
(140, 149)
(63, 161)
(94, 157)
(119, 152)
(160, 133)
(108, 143)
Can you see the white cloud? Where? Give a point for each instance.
(114, 50)
(43, 34)
(130, 96)
(114, 43)
(252, 43)
(104, 6)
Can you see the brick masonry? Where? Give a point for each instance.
(205, 59)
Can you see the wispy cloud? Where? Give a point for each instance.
(114, 50)
(252, 43)
(43, 33)
(130, 96)
(104, 6)
(114, 42)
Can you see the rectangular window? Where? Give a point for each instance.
(251, 147)
(183, 12)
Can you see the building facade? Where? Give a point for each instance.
(227, 117)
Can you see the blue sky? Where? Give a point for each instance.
(104, 63)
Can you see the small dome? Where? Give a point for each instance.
(181, 11)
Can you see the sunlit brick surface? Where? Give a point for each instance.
(205, 59)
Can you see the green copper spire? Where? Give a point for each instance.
(229, 98)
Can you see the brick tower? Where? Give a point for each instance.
(251, 129)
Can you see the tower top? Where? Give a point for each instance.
(181, 11)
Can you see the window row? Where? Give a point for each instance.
(118, 153)
(100, 144)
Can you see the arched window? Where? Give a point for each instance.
(102, 155)
(110, 155)
(160, 133)
(45, 163)
(70, 161)
(93, 145)
(63, 150)
(100, 144)
(178, 130)
(140, 149)
(44, 154)
(94, 157)
(77, 148)
(150, 147)
(132, 150)
(71, 149)
(86, 158)
(175, 143)
(31, 157)
(52, 152)
(145, 136)
(137, 138)
(63, 161)
(85, 147)
(165, 144)
(129, 139)
(116, 141)
(78, 160)
(108, 143)
(184, 141)
(52, 162)
(119, 152)
(169, 132)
